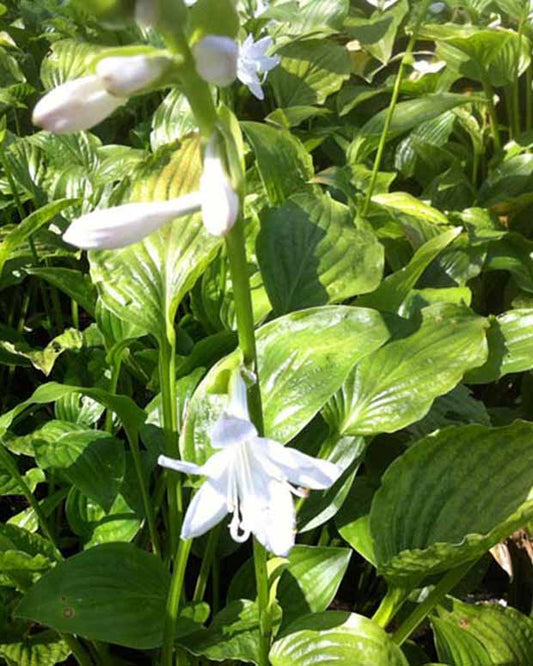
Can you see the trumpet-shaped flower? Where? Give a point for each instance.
(253, 61)
(75, 106)
(114, 228)
(252, 478)
(220, 203)
(216, 59)
(126, 75)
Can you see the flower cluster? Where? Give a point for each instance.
(251, 477)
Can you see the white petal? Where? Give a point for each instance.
(216, 59)
(220, 204)
(113, 228)
(179, 465)
(238, 399)
(297, 467)
(229, 430)
(124, 76)
(269, 514)
(75, 106)
(206, 509)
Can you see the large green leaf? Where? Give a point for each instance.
(284, 164)
(146, 281)
(114, 593)
(311, 253)
(377, 33)
(310, 70)
(334, 637)
(303, 358)
(22, 551)
(396, 385)
(68, 59)
(92, 460)
(484, 634)
(451, 497)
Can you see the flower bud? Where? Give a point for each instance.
(220, 203)
(75, 105)
(126, 75)
(216, 59)
(114, 228)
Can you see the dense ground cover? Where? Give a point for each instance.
(321, 238)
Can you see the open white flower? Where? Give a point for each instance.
(115, 228)
(252, 478)
(253, 61)
(75, 106)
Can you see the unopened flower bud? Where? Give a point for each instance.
(216, 59)
(114, 228)
(220, 203)
(126, 75)
(75, 106)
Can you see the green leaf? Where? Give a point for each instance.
(172, 120)
(421, 518)
(335, 637)
(145, 282)
(68, 59)
(490, 54)
(395, 288)
(44, 359)
(500, 635)
(90, 459)
(117, 582)
(309, 71)
(510, 341)
(508, 186)
(396, 385)
(22, 551)
(303, 358)
(311, 253)
(377, 33)
(45, 648)
(411, 113)
(27, 227)
(74, 284)
(233, 634)
(284, 164)
(308, 583)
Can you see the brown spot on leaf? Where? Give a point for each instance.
(69, 612)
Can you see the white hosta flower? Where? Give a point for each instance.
(123, 76)
(253, 61)
(75, 106)
(252, 478)
(220, 203)
(382, 4)
(114, 228)
(216, 59)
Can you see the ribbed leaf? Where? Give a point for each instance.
(451, 497)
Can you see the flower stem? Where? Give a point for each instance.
(265, 618)
(392, 106)
(207, 560)
(77, 650)
(445, 585)
(390, 605)
(173, 602)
